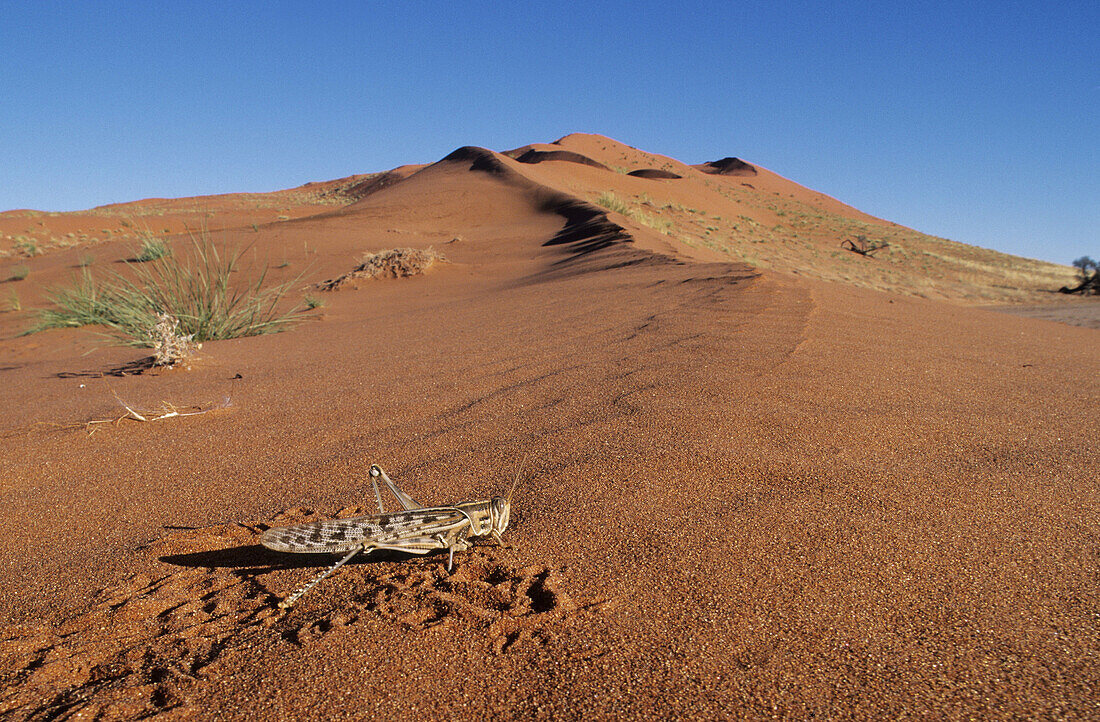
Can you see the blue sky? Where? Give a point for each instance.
(975, 121)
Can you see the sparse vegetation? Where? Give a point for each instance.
(27, 246)
(612, 202)
(312, 302)
(20, 272)
(85, 260)
(11, 303)
(662, 225)
(152, 249)
(196, 290)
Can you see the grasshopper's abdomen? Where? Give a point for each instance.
(412, 529)
(338, 535)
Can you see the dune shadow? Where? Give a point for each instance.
(132, 260)
(538, 156)
(655, 174)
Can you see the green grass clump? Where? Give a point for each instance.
(194, 289)
(152, 249)
(27, 246)
(20, 272)
(612, 202)
(12, 303)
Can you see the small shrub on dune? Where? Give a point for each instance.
(395, 263)
(398, 263)
(194, 289)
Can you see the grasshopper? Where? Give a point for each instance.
(416, 530)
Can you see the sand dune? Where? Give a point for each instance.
(749, 493)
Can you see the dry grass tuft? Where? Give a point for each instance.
(398, 263)
(170, 347)
(395, 263)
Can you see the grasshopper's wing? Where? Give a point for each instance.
(417, 532)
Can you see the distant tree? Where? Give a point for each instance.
(1085, 267)
(1088, 274)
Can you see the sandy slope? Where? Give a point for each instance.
(749, 494)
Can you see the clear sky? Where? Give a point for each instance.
(978, 121)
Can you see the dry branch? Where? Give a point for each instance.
(862, 246)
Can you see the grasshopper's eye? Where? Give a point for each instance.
(501, 509)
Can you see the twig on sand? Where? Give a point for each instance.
(167, 410)
(862, 246)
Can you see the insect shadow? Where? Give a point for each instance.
(258, 559)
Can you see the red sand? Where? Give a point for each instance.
(749, 495)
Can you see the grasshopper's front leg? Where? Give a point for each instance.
(458, 543)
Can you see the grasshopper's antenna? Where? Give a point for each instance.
(519, 472)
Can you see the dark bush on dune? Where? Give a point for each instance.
(1088, 276)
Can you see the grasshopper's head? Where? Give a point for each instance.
(500, 508)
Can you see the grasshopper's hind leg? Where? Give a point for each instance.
(406, 501)
(377, 494)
